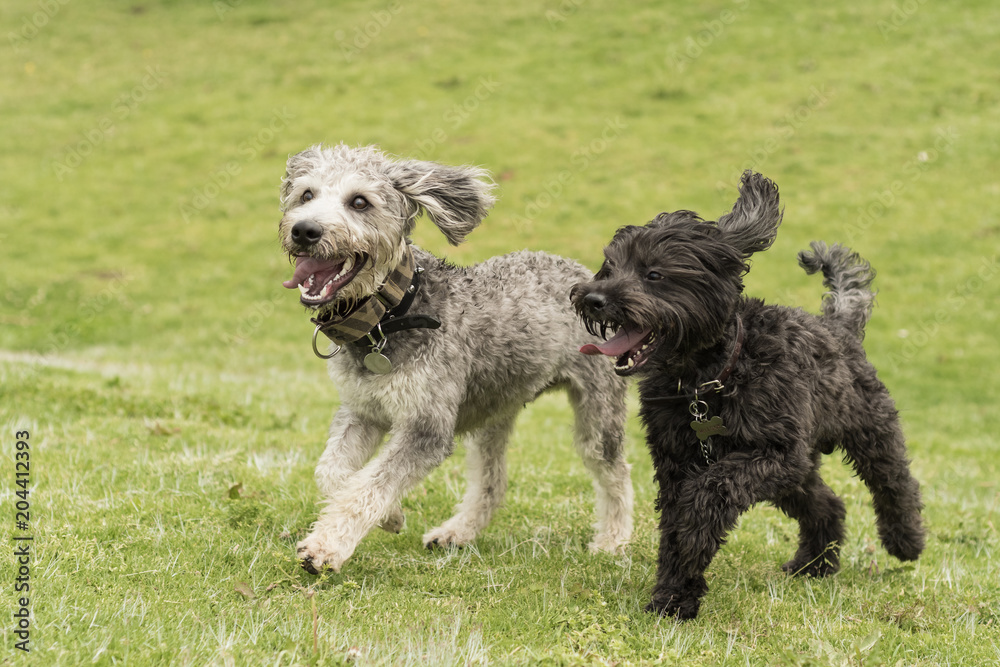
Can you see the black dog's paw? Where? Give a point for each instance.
(674, 605)
(815, 567)
(904, 539)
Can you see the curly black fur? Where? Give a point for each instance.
(801, 387)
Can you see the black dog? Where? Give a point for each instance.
(739, 398)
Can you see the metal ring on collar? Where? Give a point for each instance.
(316, 349)
(376, 346)
(698, 409)
(711, 385)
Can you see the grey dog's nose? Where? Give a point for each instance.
(306, 232)
(595, 301)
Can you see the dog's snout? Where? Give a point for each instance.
(595, 301)
(306, 232)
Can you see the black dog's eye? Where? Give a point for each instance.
(307, 196)
(654, 275)
(359, 203)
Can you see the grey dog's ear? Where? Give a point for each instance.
(752, 225)
(297, 165)
(456, 199)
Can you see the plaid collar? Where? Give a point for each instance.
(366, 315)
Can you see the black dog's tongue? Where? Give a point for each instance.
(618, 344)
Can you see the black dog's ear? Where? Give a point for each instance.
(674, 218)
(752, 225)
(297, 165)
(456, 199)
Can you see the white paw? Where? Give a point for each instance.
(316, 554)
(609, 543)
(450, 533)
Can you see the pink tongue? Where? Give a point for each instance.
(618, 345)
(306, 266)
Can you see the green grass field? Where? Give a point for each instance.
(175, 409)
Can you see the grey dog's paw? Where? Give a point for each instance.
(452, 532)
(317, 554)
(394, 521)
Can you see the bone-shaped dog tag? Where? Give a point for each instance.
(706, 429)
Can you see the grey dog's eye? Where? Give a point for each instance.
(653, 275)
(359, 203)
(307, 196)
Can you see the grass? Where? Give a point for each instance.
(176, 411)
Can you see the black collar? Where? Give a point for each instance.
(396, 320)
(368, 323)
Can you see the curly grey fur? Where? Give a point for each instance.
(455, 199)
(800, 387)
(848, 277)
(507, 335)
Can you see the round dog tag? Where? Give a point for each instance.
(378, 363)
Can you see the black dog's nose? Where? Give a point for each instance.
(306, 232)
(595, 301)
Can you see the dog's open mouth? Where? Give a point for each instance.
(632, 347)
(319, 280)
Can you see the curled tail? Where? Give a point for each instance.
(848, 278)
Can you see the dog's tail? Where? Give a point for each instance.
(849, 279)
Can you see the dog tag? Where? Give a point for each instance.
(706, 429)
(378, 363)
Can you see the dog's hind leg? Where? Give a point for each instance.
(486, 481)
(352, 441)
(878, 454)
(599, 404)
(820, 514)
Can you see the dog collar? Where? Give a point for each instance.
(718, 382)
(382, 313)
(704, 427)
(734, 357)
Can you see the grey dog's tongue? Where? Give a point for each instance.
(306, 266)
(618, 344)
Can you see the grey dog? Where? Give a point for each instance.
(740, 399)
(426, 350)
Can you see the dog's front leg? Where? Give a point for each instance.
(352, 441)
(413, 450)
(708, 506)
(672, 593)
